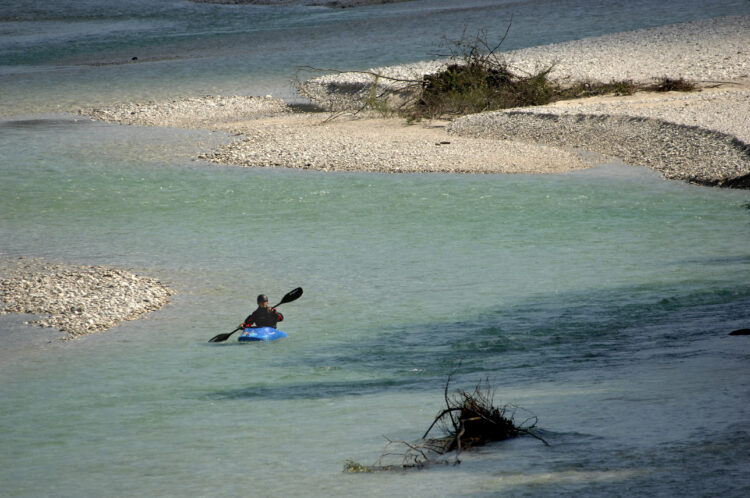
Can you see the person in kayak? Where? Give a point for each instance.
(263, 316)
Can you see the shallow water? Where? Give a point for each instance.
(64, 55)
(600, 301)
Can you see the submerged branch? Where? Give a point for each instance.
(469, 419)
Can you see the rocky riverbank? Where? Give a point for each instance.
(698, 137)
(77, 300)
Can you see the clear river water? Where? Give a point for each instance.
(600, 301)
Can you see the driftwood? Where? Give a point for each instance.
(469, 419)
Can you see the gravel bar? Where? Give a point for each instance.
(699, 137)
(679, 152)
(188, 112)
(383, 146)
(77, 300)
(707, 50)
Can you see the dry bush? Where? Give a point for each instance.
(477, 79)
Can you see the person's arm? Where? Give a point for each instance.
(279, 316)
(248, 321)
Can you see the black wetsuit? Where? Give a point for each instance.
(263, 317)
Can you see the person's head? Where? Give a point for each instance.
(262, 300)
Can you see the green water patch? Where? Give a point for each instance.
(364, 247)
(544, 338)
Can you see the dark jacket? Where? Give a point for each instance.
(263, 317)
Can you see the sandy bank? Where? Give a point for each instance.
(188, 112)
(382, 145)
(77, 300)
(272, 135)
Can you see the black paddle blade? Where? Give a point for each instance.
(219, 338)
(292, 295)
(223, 337)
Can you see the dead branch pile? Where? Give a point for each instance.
(474, 77)
(470, 419)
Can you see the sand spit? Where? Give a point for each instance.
(697, 137)
(271, 135)
(382, 145)
(189, 112)
(77, 300)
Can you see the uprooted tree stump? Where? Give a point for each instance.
(469, 419)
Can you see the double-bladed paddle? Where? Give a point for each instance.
(290, 296)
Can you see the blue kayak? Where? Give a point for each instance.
(260, 334)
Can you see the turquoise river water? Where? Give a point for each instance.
(600, 300)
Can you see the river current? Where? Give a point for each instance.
(600, 301)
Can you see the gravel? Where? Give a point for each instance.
(188, 112)
(383, 145)
(725, 111)
(706, 50)
(78, 300)
(697, 137)
(679, 152)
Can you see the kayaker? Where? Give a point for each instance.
(263, 316)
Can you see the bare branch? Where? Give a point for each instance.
(440, 416)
